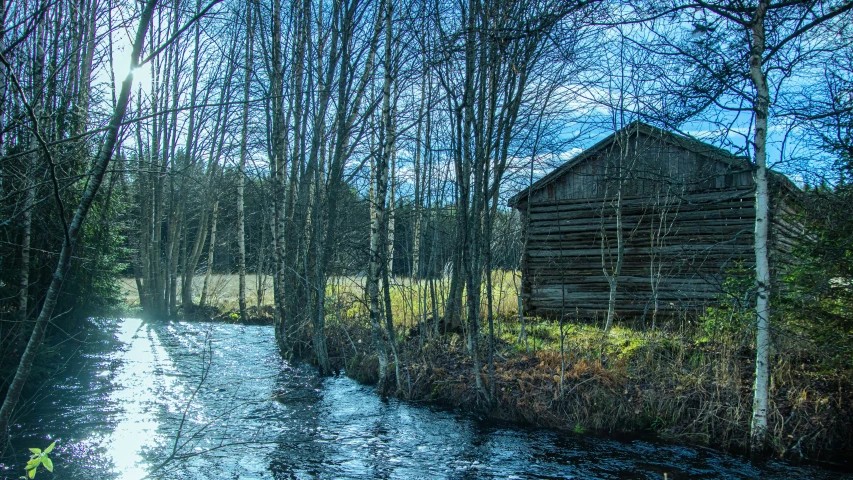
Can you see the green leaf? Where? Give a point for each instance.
(36, 451)
(33, 463)
(50, 448)
(31, 473)
(48, 463)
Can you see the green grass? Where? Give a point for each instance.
(545, 335)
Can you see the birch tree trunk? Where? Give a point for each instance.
(190, 261)
(418, 201)
(158, 175)
(174, 213)
(261, 267)
(612, 274)
(287, 243)
(29, 185)
(278, 170)
(241, 170)
(378, 220)
(388, 227)
(210, 250)
(610, 268)
(391, 207)
(758, 431)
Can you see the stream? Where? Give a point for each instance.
(181, 400)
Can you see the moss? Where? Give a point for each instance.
(364, 368)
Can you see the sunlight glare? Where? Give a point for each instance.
(136, 385)
(141, 74)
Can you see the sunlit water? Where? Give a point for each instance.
(212, 401)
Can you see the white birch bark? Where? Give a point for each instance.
(210, 250)
(241, 170)
(30, 187)
(758, 430)
(391, 205)
(378, 212)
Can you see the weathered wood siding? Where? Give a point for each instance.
(675, 251)
(646, 166)
(687, 219)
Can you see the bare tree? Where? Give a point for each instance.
(742, 54)
(82, 210)
(241, 168)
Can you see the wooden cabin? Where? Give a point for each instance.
(685, 212)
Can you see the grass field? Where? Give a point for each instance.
(223, 290)
(413, 300)
(346, 295)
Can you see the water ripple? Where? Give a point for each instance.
(211, 401)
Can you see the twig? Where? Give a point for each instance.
(42, 143)
(178, 33)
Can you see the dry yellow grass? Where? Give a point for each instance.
(412, 300)
(223, 290)
(346, 295)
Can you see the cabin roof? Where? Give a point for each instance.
(687, 143)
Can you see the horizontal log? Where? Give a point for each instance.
(713, 264)
(634, 270)
(578, 294)
(628, 279)
(675, 279)
(673, 289)
(678, 246)
(621, 310)
(596, 207)
(570, 304)
(680, 249)
(644, 229)
(644, 255)
(746, 212)
(602, 298)
(639, 290)
(686, 245)
(737, 235)
(707, 195)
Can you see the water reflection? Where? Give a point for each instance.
(143, 358)
(215, 401)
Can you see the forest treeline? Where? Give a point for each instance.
(313, 140)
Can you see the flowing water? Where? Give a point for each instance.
(212, 401)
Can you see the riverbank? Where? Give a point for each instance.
(688, 380)
(135, 390)
(683, 387)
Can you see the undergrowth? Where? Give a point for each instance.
(689, 379)
(683, 385)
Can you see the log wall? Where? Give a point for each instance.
(687, 220)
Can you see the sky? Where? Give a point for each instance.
(788, 149)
